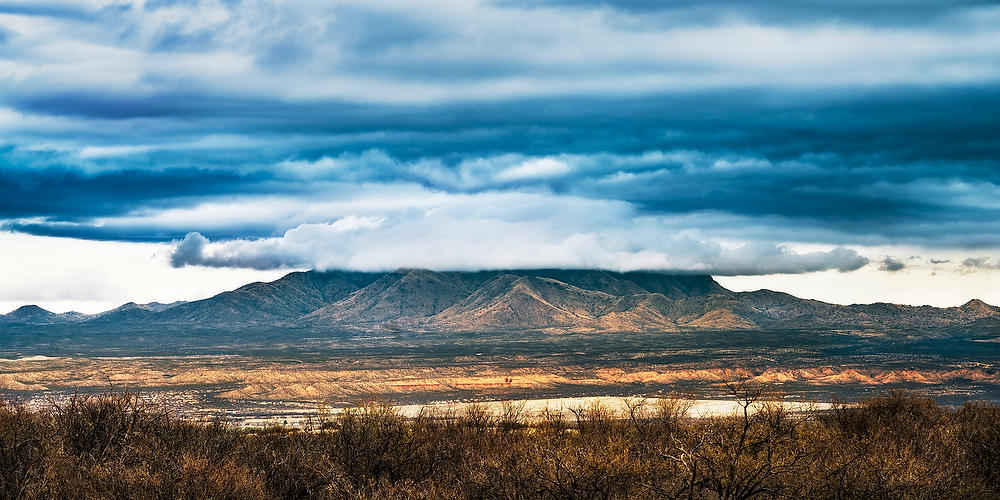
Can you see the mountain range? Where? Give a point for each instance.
(515, 300)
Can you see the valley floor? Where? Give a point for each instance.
(287, 379)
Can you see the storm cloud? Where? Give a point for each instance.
(721, 137)
(977, 263)
(892, 265)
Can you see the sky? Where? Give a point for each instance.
(171, 149)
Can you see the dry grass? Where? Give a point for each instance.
(899, 445)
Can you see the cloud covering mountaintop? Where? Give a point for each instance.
(721, 138)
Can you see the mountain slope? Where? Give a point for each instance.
(403, 294)
(521, 302)
(671, 286)
(546, 299)
(288, 298)
(579, 300)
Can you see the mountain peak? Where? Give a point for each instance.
(29, 311)
(977, 307)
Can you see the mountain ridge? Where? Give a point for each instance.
(511, 300)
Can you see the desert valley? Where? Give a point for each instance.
(270, 352)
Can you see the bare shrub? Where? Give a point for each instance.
(116, 445)
(22, 449)
(750, 454)
(107, 426)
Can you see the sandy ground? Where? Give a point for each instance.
(534, 408)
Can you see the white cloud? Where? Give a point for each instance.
(534, 169)
(205, 142)
(516, 231)
(294, 250)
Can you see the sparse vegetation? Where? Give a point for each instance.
(899, 445)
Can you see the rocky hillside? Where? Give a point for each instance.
(547, 299)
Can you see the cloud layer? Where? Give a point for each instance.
(721, 137)
(489, 246)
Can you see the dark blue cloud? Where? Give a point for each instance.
(62, 194)
(904, 124)
(865, 165)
